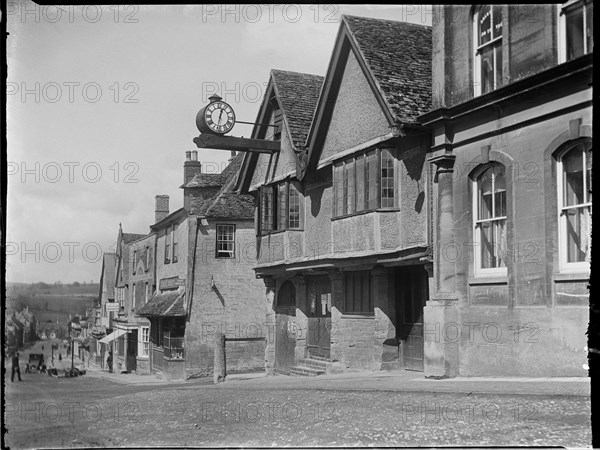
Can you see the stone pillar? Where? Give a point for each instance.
(384, 354)
(270, 325)
(301, 318)
(441, 356)
(220, 369)
(337, 306)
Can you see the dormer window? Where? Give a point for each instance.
(576, 29)
(487, 30)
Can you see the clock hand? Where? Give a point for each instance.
(220, 114)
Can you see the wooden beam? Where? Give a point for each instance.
(235, 143)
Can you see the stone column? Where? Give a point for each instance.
(125, 349)
(337, 306)
(301, 318)
(384, 354)
(270, 325)
(441, 357)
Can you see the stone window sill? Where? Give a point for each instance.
(475, 281)
(571, 276)
(358, 316)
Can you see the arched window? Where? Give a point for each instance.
(490, 220)
(487, 33)
(287, 295)
(575, 205)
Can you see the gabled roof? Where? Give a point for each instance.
(399, 56)
(205, 180)
(227, 203)
(298, 94)
(175, 215)
(395, 58)
(128, 238)
(108, 272)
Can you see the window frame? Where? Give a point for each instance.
(564, 265)
(174, 246)
(480, 271)
(562, 28)
(147, 258)
(134, 262)
(217, 241)
(168, 245)
(144, 349)
(275, 207)
(477, 51)
(359, 162)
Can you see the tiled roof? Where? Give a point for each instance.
(299, 94)
(226, 203)
(167, 304)
(205, 180)
(128, 238)
(399, 56)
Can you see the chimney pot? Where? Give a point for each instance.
(188, 155)
(194, 155)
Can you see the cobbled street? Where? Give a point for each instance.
(87, 411)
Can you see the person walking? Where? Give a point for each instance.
(15, 367)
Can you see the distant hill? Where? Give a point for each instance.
(51, 301)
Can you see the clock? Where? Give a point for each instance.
(216, 118)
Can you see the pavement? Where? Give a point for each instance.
(393, 381)
(396, 381)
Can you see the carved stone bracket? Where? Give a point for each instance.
(444, 164)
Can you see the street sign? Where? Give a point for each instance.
(112, 307)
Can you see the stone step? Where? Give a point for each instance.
(314, 363)
(305, 371)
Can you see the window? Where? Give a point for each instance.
(487, 30)
(364, 182)
(147, 258)
(145, 347)
(121, 297)
(575, 205)
(147, 293)
(134, 261)
(225, 241)
(490, 221)
(267, 209)
(281, 207)
(576, 29)
(133, 297)
(174, 234)
(293, 207)
(358, 298)
(168, 245)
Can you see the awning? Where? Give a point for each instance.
(112, 336)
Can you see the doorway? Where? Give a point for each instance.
(318, 297)
(411, 288)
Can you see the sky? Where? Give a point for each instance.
(101, 107)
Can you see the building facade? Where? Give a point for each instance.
(343, 237)
(511, 154)
(204, 281)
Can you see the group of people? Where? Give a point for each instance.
(40, 366)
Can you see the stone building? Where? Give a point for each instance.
(512, 153)
(343, 208)
(204, 279)
(104, 317)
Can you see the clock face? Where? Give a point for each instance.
(219, 117)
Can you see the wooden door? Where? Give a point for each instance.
(411, 295)
(319, 317)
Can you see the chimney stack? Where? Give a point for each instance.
(162, 207)
(191, 166)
